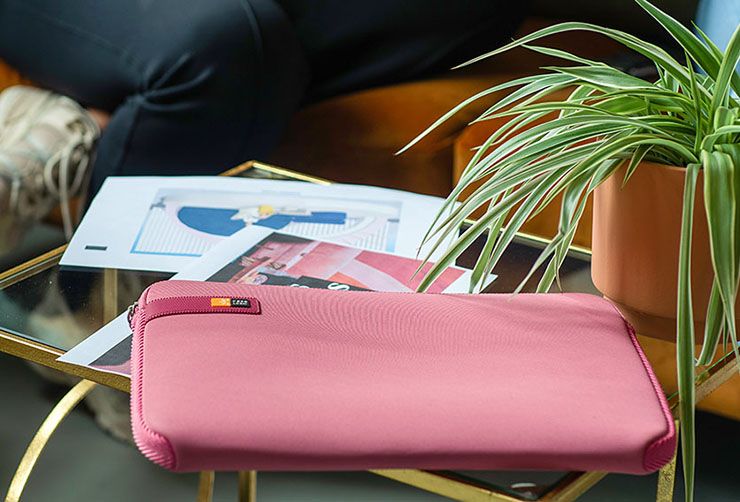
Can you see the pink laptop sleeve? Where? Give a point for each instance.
(232, 377)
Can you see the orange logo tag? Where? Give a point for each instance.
(220, 302)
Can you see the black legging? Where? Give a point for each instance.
(197, 86)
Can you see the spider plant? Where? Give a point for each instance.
(688, 116)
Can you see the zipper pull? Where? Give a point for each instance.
(131, 313)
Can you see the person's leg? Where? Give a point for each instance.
(354, 45)
(193, 87)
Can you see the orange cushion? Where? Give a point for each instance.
(9, 76)
(353, 138)
(725, 400)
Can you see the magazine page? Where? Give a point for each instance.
(166, 223)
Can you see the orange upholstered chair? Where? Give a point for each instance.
(9, 77)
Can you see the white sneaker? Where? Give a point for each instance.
(46, 145)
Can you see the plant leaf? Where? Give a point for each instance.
(688, 41)
(637, 157)
(708, 42)
(727, 73)
(549, 51)
(544, 85)
(659, 56)
(712, 326)
(496, 88)
(481, 270)
(685, 334)
(720, 204)
(603, 77)
(719, 200)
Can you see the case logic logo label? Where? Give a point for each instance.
(220, 302)
(231, 302)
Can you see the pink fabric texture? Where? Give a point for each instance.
(306, 379)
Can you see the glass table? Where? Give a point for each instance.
(45, 309)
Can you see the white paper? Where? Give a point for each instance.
(108, 349)
(164, 223)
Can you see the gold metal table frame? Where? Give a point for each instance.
(570, 487)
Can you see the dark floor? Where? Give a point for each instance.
(82, 463)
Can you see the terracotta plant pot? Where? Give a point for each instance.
(636, 235)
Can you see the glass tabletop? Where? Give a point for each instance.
(46, 309)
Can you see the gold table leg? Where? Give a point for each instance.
(715, 376)
(205, 486)
(50, 424)
(110, 294)
(247, 486)
(442, 485)
(666, 481)
(574, 485)
(667, 478)
(568, 489)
